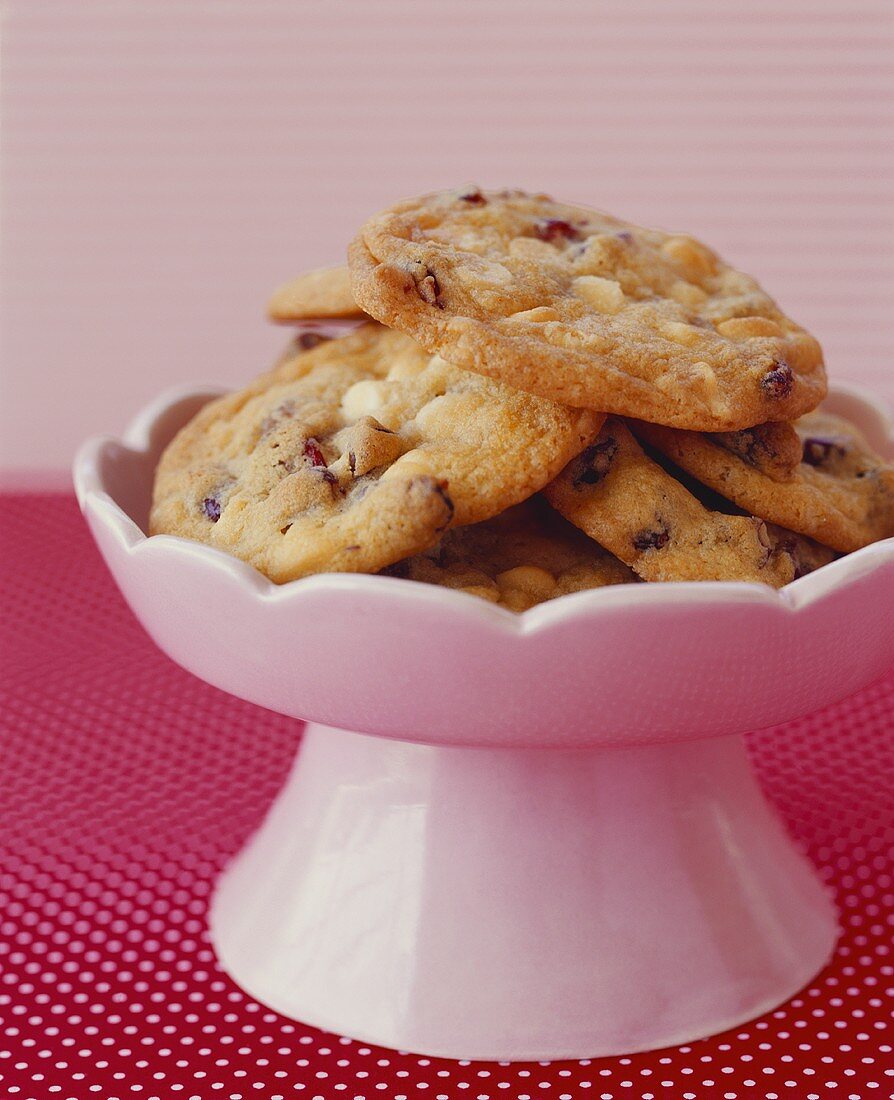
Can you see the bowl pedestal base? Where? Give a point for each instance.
(521, 903)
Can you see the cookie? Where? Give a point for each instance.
(773, 448)
(629, 504)
(324, 293)
(840, 492)
(357, 453)
(522, 557)
(582, 308)
(806, 554)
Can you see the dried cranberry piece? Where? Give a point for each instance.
(473, 196)
(818, 450)
(211, 508)
(595, 462)
(779, 382)
(313, 452)
(318, 460)
(555, 229)
(652, 540)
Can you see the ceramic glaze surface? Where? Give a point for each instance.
(479, 903)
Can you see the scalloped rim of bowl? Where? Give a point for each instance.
(876, 418)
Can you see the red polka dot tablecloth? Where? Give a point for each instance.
(127, 784)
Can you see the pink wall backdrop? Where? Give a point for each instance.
(167, 163)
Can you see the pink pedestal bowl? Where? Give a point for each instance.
(545, 839)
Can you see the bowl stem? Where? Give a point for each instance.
(521, 904)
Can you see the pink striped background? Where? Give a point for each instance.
(166, 163)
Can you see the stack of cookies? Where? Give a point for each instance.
(520, 398)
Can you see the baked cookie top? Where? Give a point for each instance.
(522, 557)
(356, 453)
(580, 307)
(324, 293)
(626, 501)
(838, 492)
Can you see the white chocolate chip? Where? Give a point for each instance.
(482, 271)
(692, 255)
(605, 294)
(411, 464)
(682, 333)
(706, 381)
(532, 248)
(362, 399)
(688, 294)
(430, 412)
(497, 273)
(741, 328)
(537, 315)
(410, 366)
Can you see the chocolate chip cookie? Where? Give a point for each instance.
(522, 557)
(582, 308)
(628, 503)
(839, 491)
(356, 453)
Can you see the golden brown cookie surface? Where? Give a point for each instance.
(324, 293)
(357, 453)
(624, 500)
(522, 557)
(840, 492)
(582, 308)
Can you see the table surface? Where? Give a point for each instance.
(127, 784)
